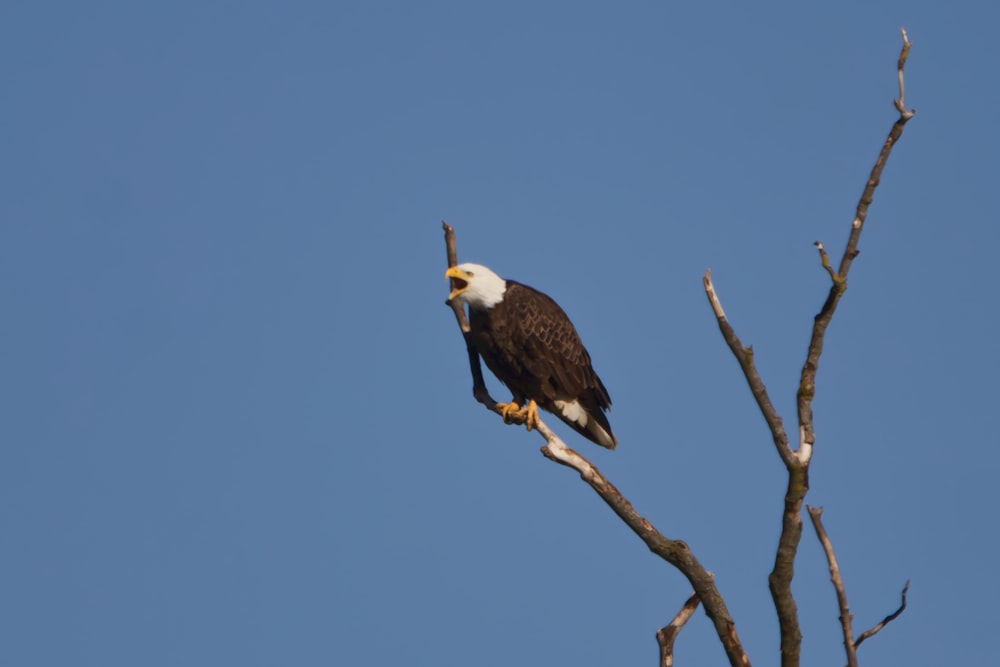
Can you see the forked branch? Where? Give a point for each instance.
(816, 514)
(797, 461)
(666, 635)
(850, 643)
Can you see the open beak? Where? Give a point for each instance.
(459, 281)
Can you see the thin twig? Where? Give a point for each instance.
(900, 103)
(885, 621)
(816, 513)
(825, 261)
(666, 635)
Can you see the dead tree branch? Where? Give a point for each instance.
(807, 382)
(744, 355)
(675, 552)
(846, 618)
(666, 635)
(797, 461)
(816, 514)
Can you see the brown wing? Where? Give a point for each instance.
(551, 349)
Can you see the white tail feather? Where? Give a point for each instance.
(572, 411)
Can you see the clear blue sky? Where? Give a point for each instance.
(237, 426)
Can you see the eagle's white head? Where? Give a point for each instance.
(475, 285)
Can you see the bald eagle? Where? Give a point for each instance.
(530, 344)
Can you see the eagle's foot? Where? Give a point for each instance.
(513, 413)
(509, 411)
(530, 415)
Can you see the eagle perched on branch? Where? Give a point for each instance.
(531, 346)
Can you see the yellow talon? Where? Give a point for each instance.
(530, 415)
(513, 413)
(509, 411)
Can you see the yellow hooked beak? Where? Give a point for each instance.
(459, 280)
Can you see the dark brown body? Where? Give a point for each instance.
(529, 343)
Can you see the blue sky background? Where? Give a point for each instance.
(237, 425)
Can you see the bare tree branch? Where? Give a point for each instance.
(666, 635)
(885, 621)
(846, 618)
(816, 513)
(900, 103)
(675, 552)
(807, 382)
(744, 355)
